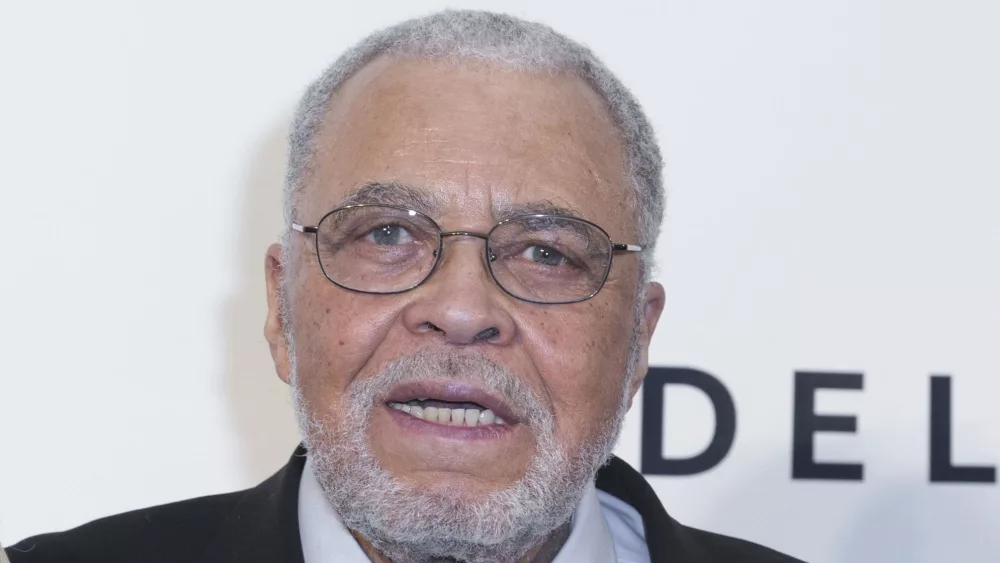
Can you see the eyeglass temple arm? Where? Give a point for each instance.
(618, 247)
(303, 229)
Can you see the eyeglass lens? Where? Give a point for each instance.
(546, 259)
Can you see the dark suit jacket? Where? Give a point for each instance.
(260, 525)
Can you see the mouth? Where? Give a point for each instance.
(451, 414)
(451, 403)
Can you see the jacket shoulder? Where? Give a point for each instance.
(668, 540)
(177, 533)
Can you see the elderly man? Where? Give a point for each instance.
(462, 307)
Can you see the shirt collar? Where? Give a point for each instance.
(325, 539)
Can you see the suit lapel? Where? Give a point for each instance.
(264, 525)
(666, 539)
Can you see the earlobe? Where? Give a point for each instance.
(274, 329)
(641, 367)
(652, 308)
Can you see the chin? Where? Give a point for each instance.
(460, 484)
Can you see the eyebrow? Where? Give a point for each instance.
(546, 207)
(394, 193)
(419, 199)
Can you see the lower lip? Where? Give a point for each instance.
(421, 426)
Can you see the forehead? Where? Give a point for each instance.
(478, 138)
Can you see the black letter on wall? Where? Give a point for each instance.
(942, 471)
(653, 462)
(807, 423)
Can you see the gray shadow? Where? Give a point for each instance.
(893, 526)
(258, 401)
(899, 520)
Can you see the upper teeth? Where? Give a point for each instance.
(454, 417)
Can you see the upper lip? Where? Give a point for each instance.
(452, 391)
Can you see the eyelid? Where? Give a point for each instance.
(555, 223)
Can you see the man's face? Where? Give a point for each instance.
(479, 140)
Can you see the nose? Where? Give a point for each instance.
(460, 302)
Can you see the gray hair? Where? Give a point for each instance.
(510, 42)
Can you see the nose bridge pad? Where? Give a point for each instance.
(487, 253)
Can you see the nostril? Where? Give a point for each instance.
(430, 326)
(487, 334)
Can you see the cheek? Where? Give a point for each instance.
(581, 359)
(335, 336)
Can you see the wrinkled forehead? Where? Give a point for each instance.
(470, 139)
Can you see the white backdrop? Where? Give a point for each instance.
(833, 201)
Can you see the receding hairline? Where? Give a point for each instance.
(373, 69)
(337, 110)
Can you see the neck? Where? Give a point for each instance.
(544, 552)
(548, 549)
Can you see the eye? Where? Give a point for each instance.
(544, 255)
(389, 234)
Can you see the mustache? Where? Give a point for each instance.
(424, 365)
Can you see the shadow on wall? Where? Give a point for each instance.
(259, 404)
(902, 520)
(951, 524)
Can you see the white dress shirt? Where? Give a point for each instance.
(604, 530)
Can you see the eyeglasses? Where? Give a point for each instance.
(383, 249)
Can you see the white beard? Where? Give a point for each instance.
(438, 523)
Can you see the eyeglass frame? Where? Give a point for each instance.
(614, 247)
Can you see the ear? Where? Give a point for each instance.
(274, 328)
(652, 307)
